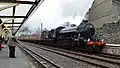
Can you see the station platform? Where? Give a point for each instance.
(20, 61)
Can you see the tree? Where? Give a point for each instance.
(67, 24)
(25, 30)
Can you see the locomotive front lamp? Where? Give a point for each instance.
(88, 40)
(102, 40)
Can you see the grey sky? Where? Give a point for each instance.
(78, 6)
(55, 12)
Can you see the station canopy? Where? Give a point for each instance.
(14, 13)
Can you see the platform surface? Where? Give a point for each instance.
(20, 61)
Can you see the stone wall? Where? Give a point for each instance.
(104, 11)
(109, 32)
(100, 12)
(115, 9)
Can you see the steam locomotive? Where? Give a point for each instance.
(81, 36)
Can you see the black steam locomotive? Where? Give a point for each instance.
(81, 36)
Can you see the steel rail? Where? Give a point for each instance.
(102, 54)
(44, 62)
(109, 55)
(78, 59)
(80, 55)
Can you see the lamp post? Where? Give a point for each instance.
(41, 26)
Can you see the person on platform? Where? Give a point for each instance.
(12, 44)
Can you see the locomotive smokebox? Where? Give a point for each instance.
(86, 29)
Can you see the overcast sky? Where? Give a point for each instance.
(55, 12)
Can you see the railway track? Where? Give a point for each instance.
(44, 62)
(105, 56)
(109, 55)
(115, 58)
(101, 62)
(101, 54)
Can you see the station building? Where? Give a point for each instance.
(103, 12)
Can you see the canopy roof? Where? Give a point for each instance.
(14, 13)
